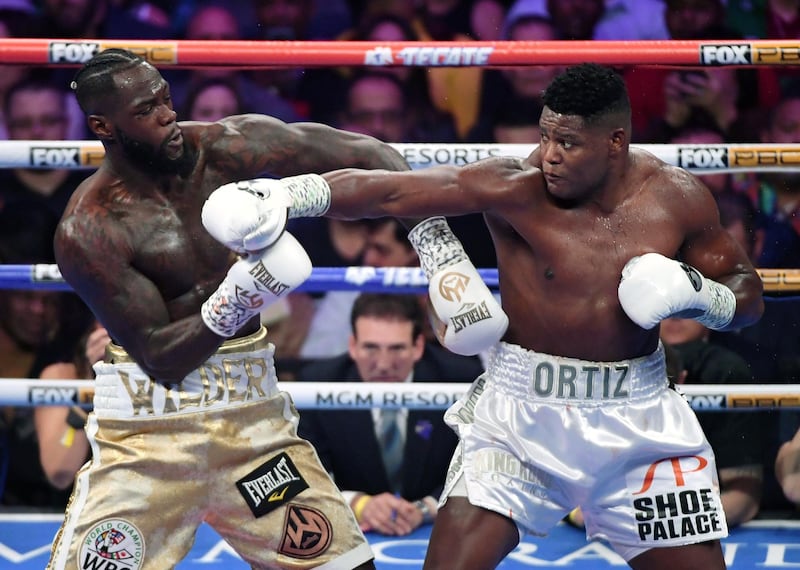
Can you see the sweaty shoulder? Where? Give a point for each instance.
(658, 176)
(673, 188)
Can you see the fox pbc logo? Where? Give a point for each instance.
(81, 52)
(762, 401)
(63, 157)
(50, 395)
(91, 157)
(66, 157)
(749, 157)
(59, 396)
(706, 402)
(706, 158)
(778, 54)
(725, 54)
(72, 52)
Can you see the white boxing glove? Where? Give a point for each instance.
(254, 283)
(654, 287)
(250, 215)
(466, 317)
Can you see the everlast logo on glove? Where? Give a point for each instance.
(474, 312)
(271, 485)
(693, 275)
(263, 276)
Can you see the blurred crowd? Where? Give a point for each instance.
(708, 106)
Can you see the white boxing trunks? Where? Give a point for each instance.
(221, 447)
(541, 434)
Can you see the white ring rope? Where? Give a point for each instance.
(26, 392)
(696, 158)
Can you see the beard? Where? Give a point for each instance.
(155, 159)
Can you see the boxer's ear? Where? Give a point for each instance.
(99, 125)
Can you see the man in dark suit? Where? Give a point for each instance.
(387, 344)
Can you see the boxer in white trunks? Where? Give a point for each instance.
(596, 244)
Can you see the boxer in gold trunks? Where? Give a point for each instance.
(188, 424)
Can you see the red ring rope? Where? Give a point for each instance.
(187, 53)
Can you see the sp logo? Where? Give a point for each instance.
(680, 467)
(452, 285)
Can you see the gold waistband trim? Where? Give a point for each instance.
(115, 354)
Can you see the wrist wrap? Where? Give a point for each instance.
(436, 245)
(221, 314)
(310, 195)
(721, 306)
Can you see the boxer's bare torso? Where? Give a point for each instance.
(563, 229)
(131, 242)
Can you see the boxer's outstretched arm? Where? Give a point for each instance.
(251, 145)
(250, 214)
(492, 184)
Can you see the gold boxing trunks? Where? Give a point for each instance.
(220, 447)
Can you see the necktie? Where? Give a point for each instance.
(391, 441)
